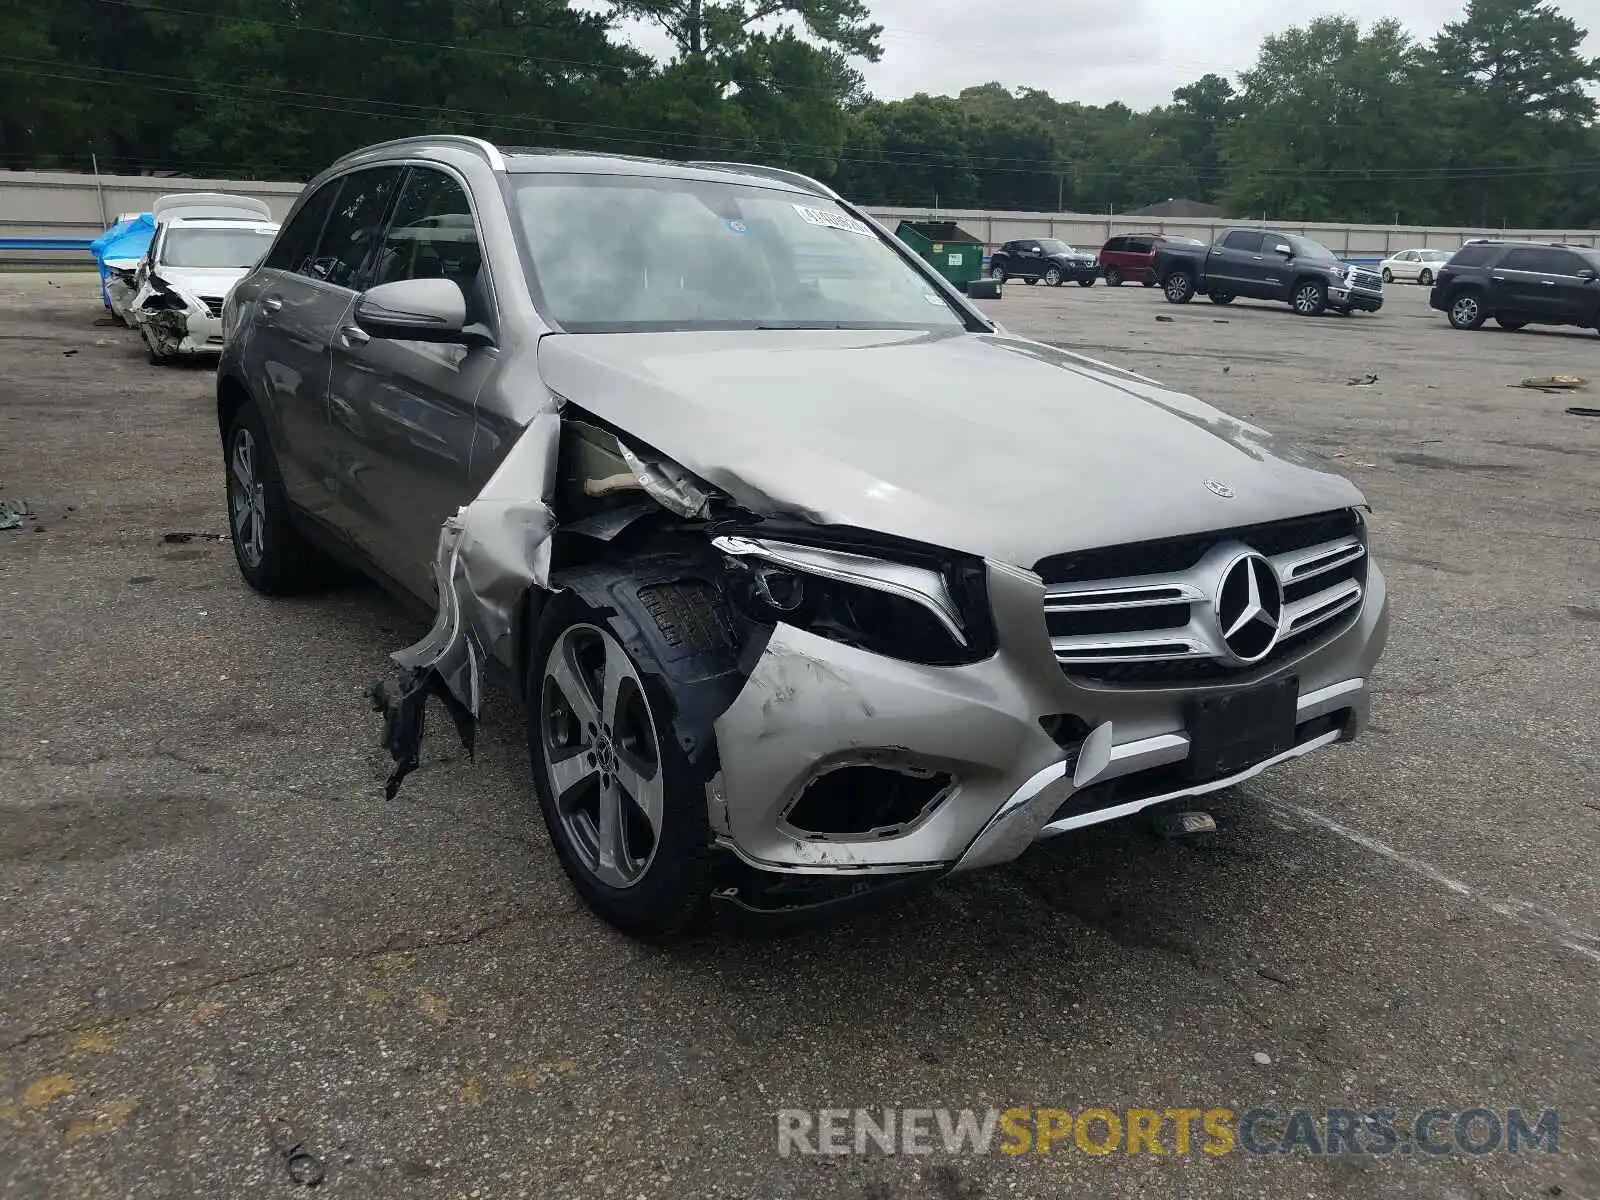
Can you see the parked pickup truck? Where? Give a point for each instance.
(1262, 264)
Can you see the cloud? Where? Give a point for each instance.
(1097, 51)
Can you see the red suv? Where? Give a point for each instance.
(1133, 257)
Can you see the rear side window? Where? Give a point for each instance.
(297, 243)
(1115, 244)
(355, 225)
(1544, 262)
(1472, 256)
(1140, 245)
(1243, 239)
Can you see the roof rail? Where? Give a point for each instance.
(804, 182)
(489, 151)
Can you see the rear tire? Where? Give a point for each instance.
(1466, 310)
(1113, 277)
(273, 555)
(1031, 280)
(1149, 283)
(1509, 326)
(1425, 279)
(1179, 287)
(645, 869)
(1221, 297)
(997, 273)
(1086, 281)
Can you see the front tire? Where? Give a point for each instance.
(1425, 279)
(625, 808)
(1179, 287)
(1466, 311)
(1113, 277)
(1052, 276)
(997, 273)
(1388, 275)
(273, 555)
(1221, 297)
(1310, 298)
(1086, 281)
(1509, 326)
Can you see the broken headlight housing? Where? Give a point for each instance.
(916, 608)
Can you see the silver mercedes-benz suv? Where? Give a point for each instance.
(812, 579)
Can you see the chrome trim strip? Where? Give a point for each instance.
(1100, 816)
(845, 567)
(1299, 565)
(823, 868)
(1320, 608)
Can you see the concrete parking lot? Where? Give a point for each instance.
(216, 927)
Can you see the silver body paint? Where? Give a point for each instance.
(976, 442)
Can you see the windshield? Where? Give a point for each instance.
(1052, 246)
(1433, 255)
(1304, 247)
(215, 247)
(612, 253)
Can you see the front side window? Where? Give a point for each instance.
(610, 253)
(185, 247)
(1241, 239)
(431, 234)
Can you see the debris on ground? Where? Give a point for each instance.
(302, 1166)
(179, 537)
(13, 513)
(1578, 411)
(1262, 1058)
(1219, 320)
(1552, 383)
(1166, 319)
(1354, 462)
(1362, 380)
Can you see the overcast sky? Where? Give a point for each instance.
(1096, 51)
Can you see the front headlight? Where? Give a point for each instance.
(933, 613)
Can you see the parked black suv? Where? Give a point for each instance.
(1033, 259)
(1519, 283)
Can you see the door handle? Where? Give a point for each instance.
(272, 304)
(1548, 282)
(1257, 257)
(354, 336)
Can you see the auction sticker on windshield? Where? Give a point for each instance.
(831, 220)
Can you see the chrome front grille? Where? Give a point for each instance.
(213, 305)
(1156, 621)
(1367, 279)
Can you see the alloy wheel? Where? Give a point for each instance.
(1464, 313)
(247, 499)
(998, 274)
(602, 759)
(1425, 279)
(1052, 276)
(1308, 300)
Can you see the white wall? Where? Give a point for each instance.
(67, 205)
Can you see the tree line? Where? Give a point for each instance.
(1490, 122)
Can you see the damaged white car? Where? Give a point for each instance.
(203, 245)
(813, 582)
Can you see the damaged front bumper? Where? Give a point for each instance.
(175, 323)
(989, 777)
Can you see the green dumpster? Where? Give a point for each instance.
(948, 248)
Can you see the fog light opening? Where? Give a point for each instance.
(860, 801)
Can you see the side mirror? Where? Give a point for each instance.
(1589, 274)
(416, 310)
(1284, 249)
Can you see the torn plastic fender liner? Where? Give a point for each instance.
(490, 553)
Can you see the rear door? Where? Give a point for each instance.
(287, 315)
(1235, 265)
(403, 411)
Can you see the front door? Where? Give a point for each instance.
(1532, 283)
(1233, 266)
(403, 411)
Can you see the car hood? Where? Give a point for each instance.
(980, 443)
(202, 281)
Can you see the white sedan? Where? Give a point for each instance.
(1419, 266)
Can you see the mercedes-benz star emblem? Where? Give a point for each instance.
(1219, 489)
(1249, 608)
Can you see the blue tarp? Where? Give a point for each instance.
(125, 239)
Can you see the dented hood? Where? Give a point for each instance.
(985, 444)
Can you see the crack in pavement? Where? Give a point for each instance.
(399, 943)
